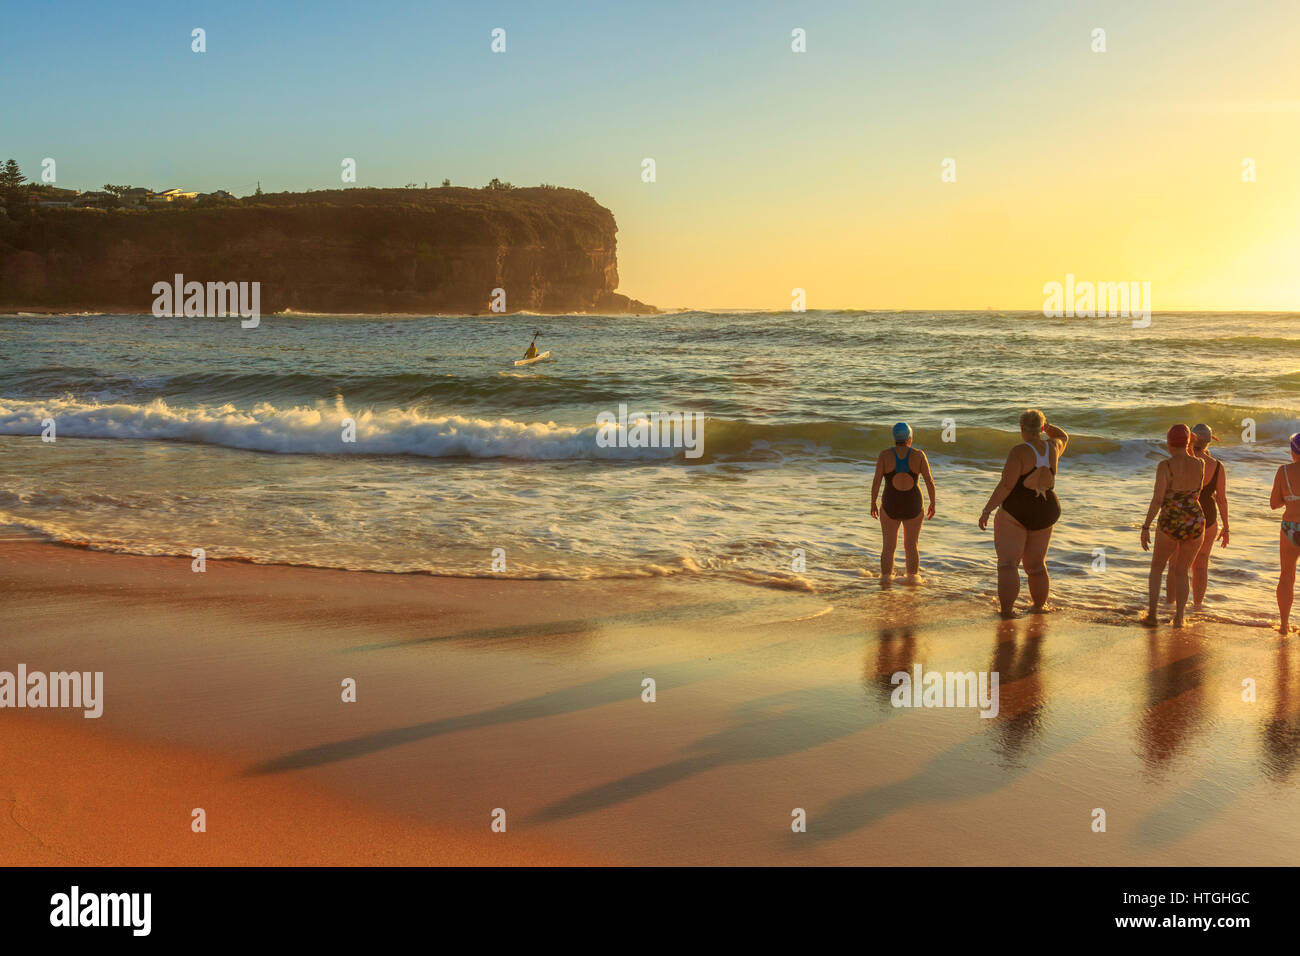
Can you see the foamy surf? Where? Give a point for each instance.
(318, 430)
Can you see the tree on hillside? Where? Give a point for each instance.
(11, 182)
(118, 191)
(498, 184)
(446, 182)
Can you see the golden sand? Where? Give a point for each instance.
(223, 691)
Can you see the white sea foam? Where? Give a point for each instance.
(318, 430)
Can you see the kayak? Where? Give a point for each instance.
(536, 358)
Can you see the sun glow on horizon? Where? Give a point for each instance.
(819, 170)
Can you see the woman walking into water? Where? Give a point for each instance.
(1027, 510)
(1214, 503)
(1284, 496)
(1177, 496)
(899, 467)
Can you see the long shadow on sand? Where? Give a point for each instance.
(687, 614)
(777, 726)
(769, 727)
(610, 689)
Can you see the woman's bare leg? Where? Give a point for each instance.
(1286, 582)
(1009, 541)
(1161, 551)
(1035, 561)
(1201, 565)
(889, 542)
(1184, 554)
(911, 537)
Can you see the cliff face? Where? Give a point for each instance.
(353, 250)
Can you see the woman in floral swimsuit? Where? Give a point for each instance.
(1182, 522)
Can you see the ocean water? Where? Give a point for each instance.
(175, 434)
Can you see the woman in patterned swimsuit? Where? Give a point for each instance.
(1284, 496)
(1179, 479)
(1214, 502)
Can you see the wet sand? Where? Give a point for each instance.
(222, 691)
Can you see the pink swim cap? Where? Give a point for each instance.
(1179, 436)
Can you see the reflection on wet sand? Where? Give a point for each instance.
(1017, 658)
(895, 651)
(1175, 696)
(1281, 729)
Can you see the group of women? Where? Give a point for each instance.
(1189, 507)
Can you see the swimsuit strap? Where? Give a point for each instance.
(1044, 460)
(904, 461)
(1290, 495)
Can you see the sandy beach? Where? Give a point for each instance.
(222, 691)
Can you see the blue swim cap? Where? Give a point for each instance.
(902, 431)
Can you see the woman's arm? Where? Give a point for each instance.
(1276, 500)
(875, 486)
(1157, 496)
(1057, 434)
(1010, 475)
(1221, 499)
(929, 482)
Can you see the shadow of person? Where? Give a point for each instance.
(763, 729)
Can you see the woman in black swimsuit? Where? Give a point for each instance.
(1029, 508)
(1214, 502)
(899, 467)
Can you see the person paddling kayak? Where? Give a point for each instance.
(532, 347)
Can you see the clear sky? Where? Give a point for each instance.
(775, 170)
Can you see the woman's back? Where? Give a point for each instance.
(1290, 481)
(1185, 473)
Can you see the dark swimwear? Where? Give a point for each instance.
(1033, 510)
(901, 505)
(1208, 506)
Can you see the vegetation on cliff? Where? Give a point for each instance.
(444, 249)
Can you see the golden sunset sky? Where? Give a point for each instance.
(775, 169)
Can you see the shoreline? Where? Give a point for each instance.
(527, 696)
(933, 586)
